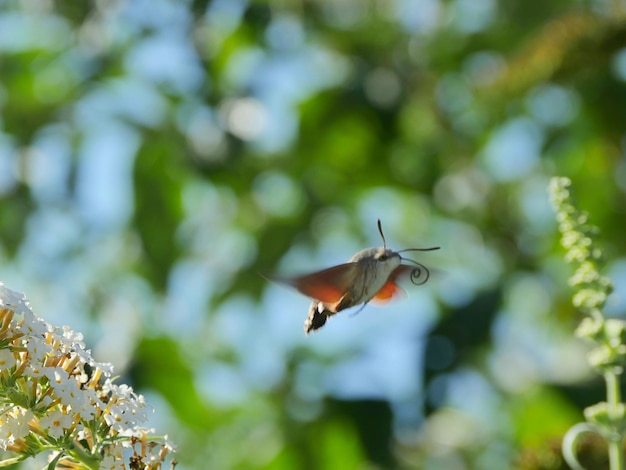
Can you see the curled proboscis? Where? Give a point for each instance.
(419, 274)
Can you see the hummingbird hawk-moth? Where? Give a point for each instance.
(370, 274)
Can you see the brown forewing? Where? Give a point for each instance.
(328, 285)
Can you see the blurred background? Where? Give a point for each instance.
(157, 155)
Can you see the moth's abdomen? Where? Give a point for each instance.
(318, 314)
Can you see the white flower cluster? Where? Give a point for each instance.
(55, 397)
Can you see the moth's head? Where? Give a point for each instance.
(387, 260)
(382, 257)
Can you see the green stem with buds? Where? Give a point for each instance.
(609, 335)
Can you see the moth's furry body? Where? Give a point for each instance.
(373, 268)
(369, 275)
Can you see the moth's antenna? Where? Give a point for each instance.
(432, 248)
(380, 230)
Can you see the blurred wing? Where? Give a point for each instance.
(388, 292)
(328, 285)
(391, 289)
(400, 272)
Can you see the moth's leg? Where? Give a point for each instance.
(346, 301)
(359, 310)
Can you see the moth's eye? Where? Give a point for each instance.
(383, 257)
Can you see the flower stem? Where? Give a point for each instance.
(11, 461)
(613, 395)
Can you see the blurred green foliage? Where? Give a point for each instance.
(155, 156)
